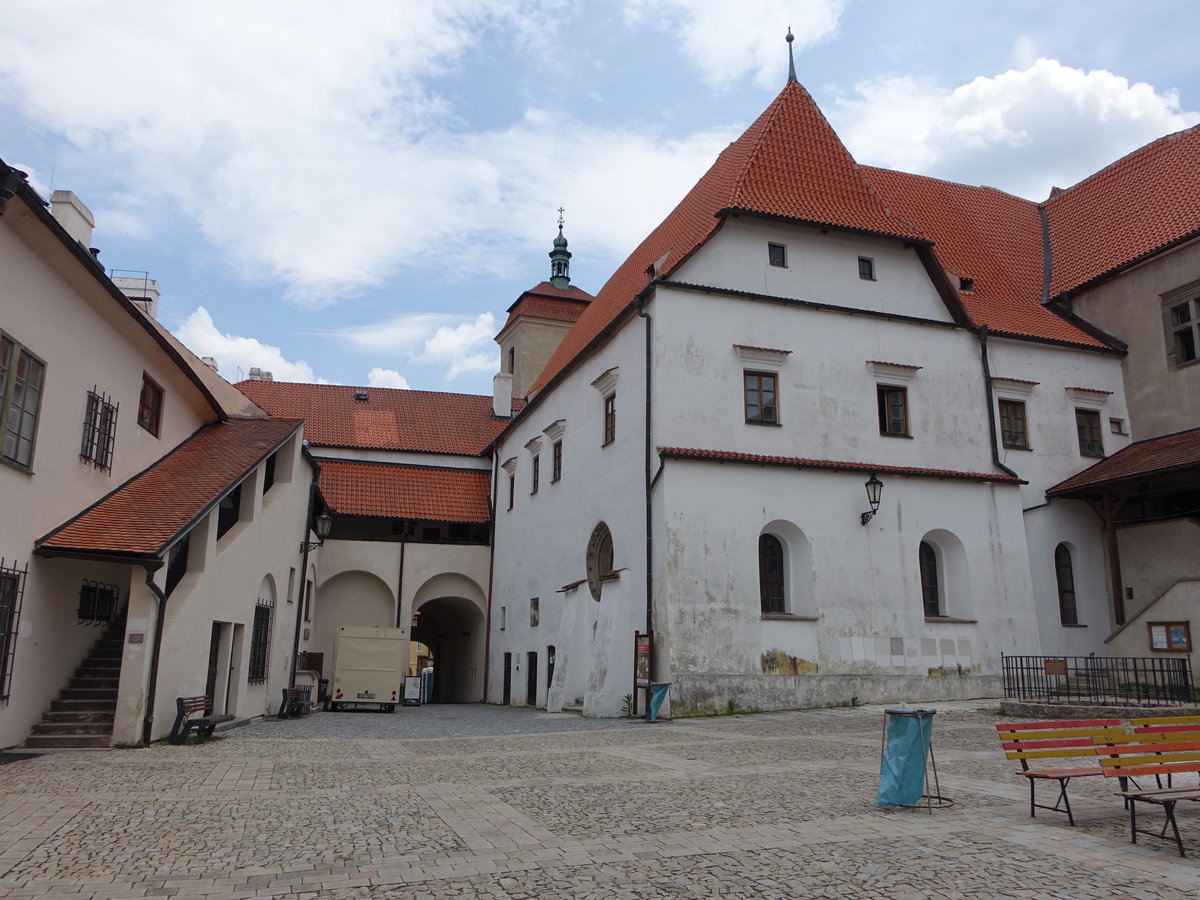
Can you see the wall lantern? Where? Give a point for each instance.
(874, 489)
(321, 524)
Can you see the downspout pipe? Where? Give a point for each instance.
(649, 479)
(305, 546)
(991, 406)
(487, 625)
(159, 625)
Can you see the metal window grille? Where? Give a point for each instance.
(12, 589)
(260, 642)
(97, 602)
(1102, 680)
(99, 430)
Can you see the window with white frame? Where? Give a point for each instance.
(21, 380)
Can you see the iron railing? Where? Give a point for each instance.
(1100, 680)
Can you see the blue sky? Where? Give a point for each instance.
(355, 192)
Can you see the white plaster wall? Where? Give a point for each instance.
(1178, 604)
(827, 391)
(55, 308)
(1155, 556)
(866, 583)
(821, 266)
(541, 543)
(394, 457)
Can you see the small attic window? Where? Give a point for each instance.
(777, 255)
(966, 285)
(361, 396)
(866, 268)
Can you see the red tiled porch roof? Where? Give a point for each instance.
(145, 515)
(1153, 456)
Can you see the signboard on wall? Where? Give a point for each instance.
(1170, 636)
(641, 659)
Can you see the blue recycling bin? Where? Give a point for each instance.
(658, 693)
(906, 756)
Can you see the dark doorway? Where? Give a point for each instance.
(549, 667)
(453, 630)
(507, 698)
(531, 679)
(214, 651)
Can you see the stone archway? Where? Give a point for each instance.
(347, 599)
(448, 613)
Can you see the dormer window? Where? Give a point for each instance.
(777, 255)
(966, 285)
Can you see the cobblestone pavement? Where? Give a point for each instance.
(475, 801)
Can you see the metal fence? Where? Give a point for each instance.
(1102, 680)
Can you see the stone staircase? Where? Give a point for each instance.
(82, 716)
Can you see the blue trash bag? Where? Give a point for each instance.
(902, 769)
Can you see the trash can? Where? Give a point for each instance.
(658, 693)
(907, 759)
(322, 690)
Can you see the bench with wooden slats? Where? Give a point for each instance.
(1157, 754)
(1177, 725)
(1038, 741)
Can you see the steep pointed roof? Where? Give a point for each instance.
(545, 301)
(790, 163)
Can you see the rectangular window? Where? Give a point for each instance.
(177, 564)
(537, 470)
(534, 604)
(893, 409)
(150, 405)
(1012, 424)
(512, 487)
(777, 255)
(866, 268)
(308, 589)
(99, 430)
(760, 390)
(1087, 425)
(610, 418)
(269, 473)
(260, 642)
(503, 617)
(556, 464)
(229, 510)
(12, 586)
(1183, 321)
(21, 379)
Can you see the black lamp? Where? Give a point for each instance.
(321, 524)
(874, 489)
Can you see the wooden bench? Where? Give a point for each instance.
(203, 724)
(1158, 754)
(1177, 725)
(1066, 739)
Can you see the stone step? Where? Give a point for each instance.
(98, 695)
(79, 715)
(72, 728)
(108, 683)
(62, 706)
(61, 741)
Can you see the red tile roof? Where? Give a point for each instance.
(1154, 456)
(991, 237)
(788, 163)
(545, 301)
(389, 419)
(145, 514)
(1139, 204)
(837, 465)
(406, 492)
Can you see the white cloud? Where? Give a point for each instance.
(726, 40)
(455, 344)
(1022, 131)
(236, 355)
(386, 378)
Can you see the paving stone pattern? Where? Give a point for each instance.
(477, 801)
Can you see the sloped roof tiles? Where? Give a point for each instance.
(1138, 460)
(392, 419)
(406, 492)
(145, 514)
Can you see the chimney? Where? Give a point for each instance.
(143, 292)
(75, 218)
(502, 395)
(257, 374)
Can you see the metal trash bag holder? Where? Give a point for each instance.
(906, 731)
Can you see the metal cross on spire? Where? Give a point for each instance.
(791, 59)
(560, 218)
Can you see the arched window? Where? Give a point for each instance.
(929, 580)
(599, 558)
(770, 573)
(1068, 613)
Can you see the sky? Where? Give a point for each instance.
(355, 192)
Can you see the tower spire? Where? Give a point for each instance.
(560, 258)
(791, 59)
